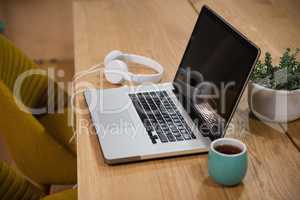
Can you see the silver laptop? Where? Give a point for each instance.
(184, 116)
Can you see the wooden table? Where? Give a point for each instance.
(161, 29)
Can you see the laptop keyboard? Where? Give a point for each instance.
(161, 117)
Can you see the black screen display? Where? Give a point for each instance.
(214, 68)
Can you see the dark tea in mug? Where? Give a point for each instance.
(228, 149)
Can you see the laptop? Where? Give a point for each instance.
(184, 116)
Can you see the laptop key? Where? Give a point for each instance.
(186, 136)
(193, 135)
(179, 137)
(162, 137)
(177, 134)
(152, 137)
(171, 138)
(148, 128)
(153, 141)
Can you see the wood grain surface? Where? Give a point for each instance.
(161, 29)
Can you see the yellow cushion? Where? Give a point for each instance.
(66, 195)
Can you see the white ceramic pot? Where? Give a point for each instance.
(273, 105)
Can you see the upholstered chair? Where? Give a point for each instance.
(40, 143)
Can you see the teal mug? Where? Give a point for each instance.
(227, 161)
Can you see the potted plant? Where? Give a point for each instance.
(274, 90)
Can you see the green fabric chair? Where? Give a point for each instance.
(39, 144)
(13, 186)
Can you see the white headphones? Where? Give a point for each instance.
(116, 68)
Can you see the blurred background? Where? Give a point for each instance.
(41, 29)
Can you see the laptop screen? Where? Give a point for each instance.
(213, 71)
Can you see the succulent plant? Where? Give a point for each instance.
(284, 76)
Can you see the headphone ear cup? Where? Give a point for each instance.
(115, 71)
(112, 56)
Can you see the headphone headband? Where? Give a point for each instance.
(138, 78)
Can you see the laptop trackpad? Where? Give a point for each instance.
(120, 131)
